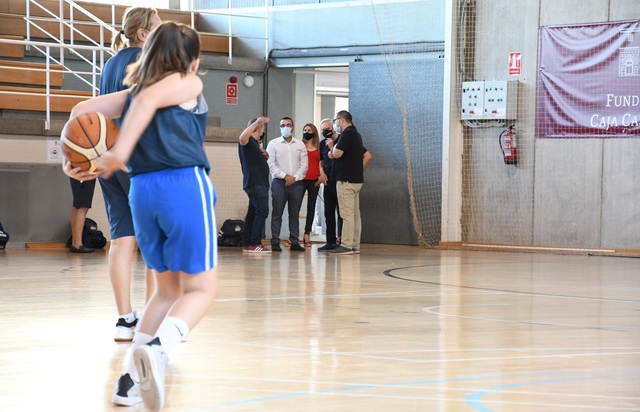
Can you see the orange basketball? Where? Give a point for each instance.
(86, 137)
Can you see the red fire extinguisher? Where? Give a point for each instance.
(508, 145)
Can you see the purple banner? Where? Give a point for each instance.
(589, 81)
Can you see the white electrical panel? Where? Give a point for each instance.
(500, 100)
(472, 101)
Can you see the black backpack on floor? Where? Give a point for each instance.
(4, 237)
(230, 233)
(91, 236)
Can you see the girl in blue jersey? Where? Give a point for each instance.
(172, 199)
(137, 25)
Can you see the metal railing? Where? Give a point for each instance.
(70, 24)
(97, 50)
(93, 71)
(230, 14)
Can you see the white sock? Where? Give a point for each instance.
(139, 338)
(129, 317)
(171, 332)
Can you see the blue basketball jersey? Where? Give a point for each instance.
(115, 70)
(174, 139)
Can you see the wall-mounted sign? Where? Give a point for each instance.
(232, 93)
(589, 81)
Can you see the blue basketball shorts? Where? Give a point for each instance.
(115, 190)
(174, 219)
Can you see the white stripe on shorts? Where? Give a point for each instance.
(208, 214)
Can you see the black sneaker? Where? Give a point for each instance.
(328, 246)
(127, 392)
(297, 248)
(276, 247)
(81, 249)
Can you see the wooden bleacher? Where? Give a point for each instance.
(22, 84)
(11, 50)
(18, 72)
(12, 22)
(62, 101)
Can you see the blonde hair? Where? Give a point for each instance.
(171, 48)
(134, 19)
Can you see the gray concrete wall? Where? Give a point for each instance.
(385, 200)
(574, 192)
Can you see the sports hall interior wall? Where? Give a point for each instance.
(573, 192)
(563, 192)
(384, 200)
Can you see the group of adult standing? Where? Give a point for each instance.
(295, 166)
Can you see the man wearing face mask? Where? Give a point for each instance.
(330, 194)
(255, 169)
(348, 170)
(288, 164)
(330, 191)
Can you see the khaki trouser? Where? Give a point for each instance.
(349, 203)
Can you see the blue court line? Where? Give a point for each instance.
(474, 399)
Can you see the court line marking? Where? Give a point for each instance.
(369, 355)
(431, 310)
(474, 399)
(389, 273)
(354, 387)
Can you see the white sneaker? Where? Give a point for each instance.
(125, 330)
(127, 391)
(151, 361)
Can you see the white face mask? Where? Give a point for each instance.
(286, 131)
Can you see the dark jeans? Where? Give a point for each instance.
(282, 195)
(330, 210)
(256, 215)
(311, 188)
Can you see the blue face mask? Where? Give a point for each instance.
(336, 127)
(285, 131)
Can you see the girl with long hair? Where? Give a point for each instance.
(172, 199)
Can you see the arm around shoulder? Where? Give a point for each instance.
(173, 90)
(110, 105)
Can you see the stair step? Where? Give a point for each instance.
(12, 50)
(18, 72)
(61, 101)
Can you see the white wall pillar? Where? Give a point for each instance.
(451, 137)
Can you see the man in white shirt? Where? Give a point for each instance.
(288, 165)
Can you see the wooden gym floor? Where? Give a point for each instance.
(396, 328)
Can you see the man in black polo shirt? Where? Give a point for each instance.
(348, 170)
(330, 192)
(255, 183)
